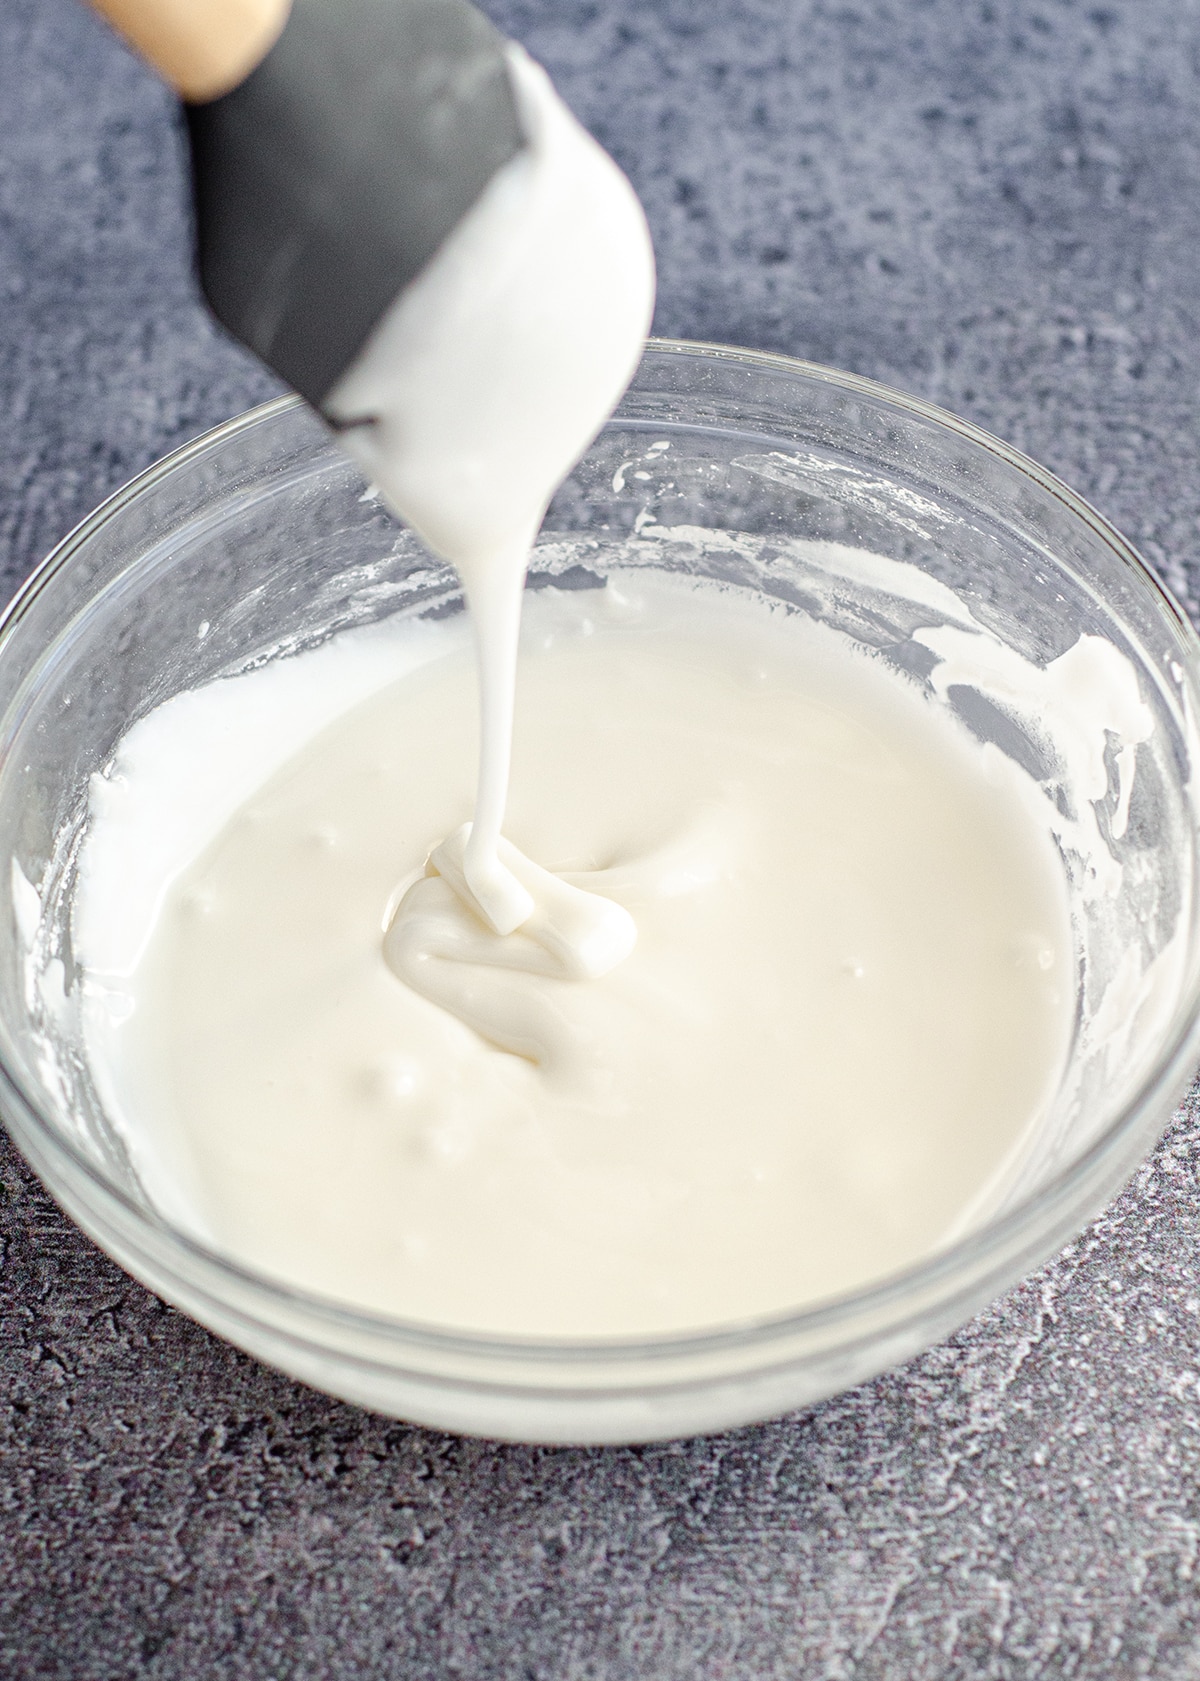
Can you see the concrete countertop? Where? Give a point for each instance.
(995, 204)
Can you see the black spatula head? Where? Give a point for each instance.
(326, 181)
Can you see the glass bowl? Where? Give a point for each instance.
(259, 540)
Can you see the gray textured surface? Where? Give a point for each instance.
(997, 205)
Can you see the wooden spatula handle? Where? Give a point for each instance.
(202, 47)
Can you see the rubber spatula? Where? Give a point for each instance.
(335, 145)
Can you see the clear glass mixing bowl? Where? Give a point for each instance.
(258, 541)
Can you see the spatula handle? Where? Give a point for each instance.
(202, 47)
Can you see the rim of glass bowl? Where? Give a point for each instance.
(1179, 1055)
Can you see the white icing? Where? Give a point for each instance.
(487, 380)
(845, 1013)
